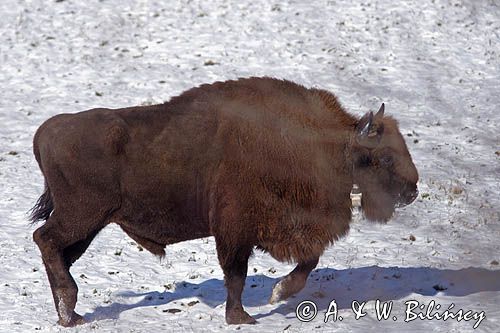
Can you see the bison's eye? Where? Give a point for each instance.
(386, 160)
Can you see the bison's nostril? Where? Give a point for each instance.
(411, 196)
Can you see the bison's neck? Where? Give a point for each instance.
(339, 135)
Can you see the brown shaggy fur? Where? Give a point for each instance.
(255, 162)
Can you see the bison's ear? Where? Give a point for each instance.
(364, 125)
(370, 128)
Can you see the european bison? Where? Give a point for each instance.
(255, 162)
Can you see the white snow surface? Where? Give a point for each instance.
(436, 65)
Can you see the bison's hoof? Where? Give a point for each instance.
(74, 320)
(239, 316)
(279, 293)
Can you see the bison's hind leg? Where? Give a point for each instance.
(293, 282)
(73, 252)
(62, 240)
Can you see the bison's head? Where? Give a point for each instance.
(383, 167)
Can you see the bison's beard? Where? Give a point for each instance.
(377, 207)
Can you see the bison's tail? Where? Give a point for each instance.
(43, 207)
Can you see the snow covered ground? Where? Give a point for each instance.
(436, 65)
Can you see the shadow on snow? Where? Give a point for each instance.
(361, 284)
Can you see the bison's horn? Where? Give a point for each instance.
(380, 112)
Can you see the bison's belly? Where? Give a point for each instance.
(154, 226)
(161, 207)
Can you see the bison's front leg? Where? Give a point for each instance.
(293, 282)
(234, 262)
